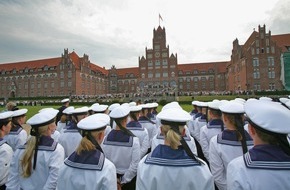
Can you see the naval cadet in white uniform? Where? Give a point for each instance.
(71, 137)
(233, 142)
(17, 135)
(171, 166)
(35, 165)
(122, 148)
(87, 168)
(267, 165)
(6, 151)
(138, 130)
(212, 128)
(102, 108)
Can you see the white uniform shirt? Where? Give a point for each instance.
(159, 139)
(89, 171)
(151, 128)
(207, 132)
(175, 168)
(267, 167)
(198, 123)
(50, 156)
(124, 151)
(60, 127)
(139, 131)
(70, 139)
(6, 153)
(224, 147)
(17, 137)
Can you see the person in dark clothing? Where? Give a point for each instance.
(65, 104)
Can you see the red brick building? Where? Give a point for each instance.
(253, 66)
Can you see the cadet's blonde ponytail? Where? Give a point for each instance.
(172, 137)
(26, 161)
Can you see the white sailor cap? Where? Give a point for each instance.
(80, 111)
(135, 108)
(45, 109)
(43, 118)
(120, 112)
(125, 104)
(132, 104)
(113, 106)
(19, 112)
(214, 105)
(150, 105)
(202, 104)
(284, 100)
(171, 105)
(174, 115)
(232, 107)
(65, 100)
(194, 102)
(266, 115)
(7, 115)
(99, 108)
(95, 122)
(288, 104)
(240, 100)
(265, 98)
(155, 104)
(68, 110)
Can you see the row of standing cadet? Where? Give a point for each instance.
(156, 160)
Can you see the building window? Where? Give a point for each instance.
(203, 79)
(165, 74)
(69, 74)
(210, 78)
(164, 63)
(195, 79)
(45, 84)
(172, 66)
(256, 74)
(257, 87)
(61, 84)
(267, 50)
(149, 56)
(157, 64)
(253, 51)
(143, 75)
(143, 68)
(255, 62)
(180, 79)
(271, 61)
(257, 51)
(150, 75)
(157, 75)
(172, 74)
(188, 79)
(61, 74)
(271, 74)
(38, 85)
(69, 83)
(273, 49)
(52, 84)
(257, 43)
(195, 71)
(267, 42)
(271, 86)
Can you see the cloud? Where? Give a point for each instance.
(114, 32)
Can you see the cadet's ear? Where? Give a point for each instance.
(183, 132)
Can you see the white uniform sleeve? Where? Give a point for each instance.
(145, 145)
(6, 154)
(110, 180)
(235, 180)
(204, 142)
(22, 138)
(55, 162)
(216, 165)
(132, 170)
(13, 182)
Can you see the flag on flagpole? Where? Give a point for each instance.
(160, 17)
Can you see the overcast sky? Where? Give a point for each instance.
(116, 32)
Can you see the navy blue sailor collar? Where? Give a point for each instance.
(229, 137)
(267, 157)
(134, 125)
(197, 115)
(118, 138)
(45, 143)
(2, 141)
(15, 130)
(143, 118)
(166, 156)
(88, 160)
(215, 123)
